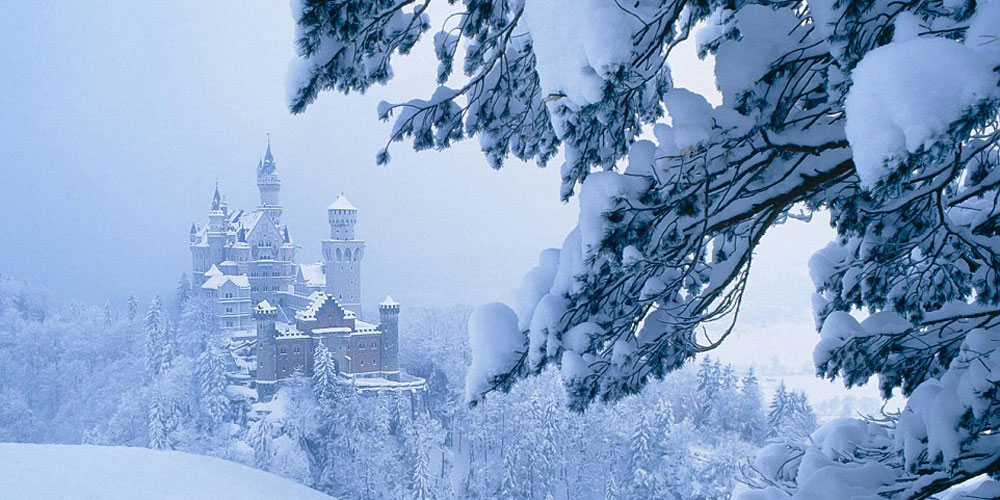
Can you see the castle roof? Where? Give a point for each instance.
(341, 203)
(312, 274)
(265, 306)
(213, 271)
(389, 301)
(216, 282)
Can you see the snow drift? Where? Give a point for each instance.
(63, 472)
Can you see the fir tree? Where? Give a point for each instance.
(107, 314)
(779, 412)
(183, 293)
(751, 418)
(212, 386)
(803, 421)
(132, 308)
(421, 483)
(509, 481)
(158, 428)
(261, 441)
(154, 336)
(611, 489)
(324, 372)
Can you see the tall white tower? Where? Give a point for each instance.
(342, 255)
(269, 185)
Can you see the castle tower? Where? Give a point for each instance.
(388, 312)
(269, 185)
(216, 229)
(265, 314)
(342, 255)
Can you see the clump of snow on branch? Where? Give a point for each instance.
(905, 97)
(495, 342)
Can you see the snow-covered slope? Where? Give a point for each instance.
(82, 472)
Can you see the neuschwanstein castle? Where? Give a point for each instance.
(244, 261)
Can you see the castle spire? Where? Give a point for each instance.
(267, 166)
(217, 198)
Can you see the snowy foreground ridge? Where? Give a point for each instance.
(84, 472)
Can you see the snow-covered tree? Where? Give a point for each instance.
(260, 439)
(159, 438)
(131, 308)
(421, 486)
(154, 346)
(509, 482)
(324, 372)
(107, 314)
(611, 491)
(749, 418)
(212, 386)
(882, 113)
(183, 292)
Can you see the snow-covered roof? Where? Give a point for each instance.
(364, 326)
(215, 282)
(265, 306)
(312, 274)
(389, 301)
(332, 329)
(341, 203)
(213, 271)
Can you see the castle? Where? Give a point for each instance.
(244, 263)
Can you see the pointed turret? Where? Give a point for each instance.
(269, 185)
(216, 199)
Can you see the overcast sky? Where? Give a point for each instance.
(117, 119)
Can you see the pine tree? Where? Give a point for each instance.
(611, 488)
(751, 418)
(324, 372)
(803, 420)
(183, 293)
(158, 435)
(421, 483)
(132, 308)
(779, 412)
(708, 384)
(261, 441)
(509, 482)
(107, 314)
(154, 336)
(212, 385)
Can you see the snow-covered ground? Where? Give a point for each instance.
(84, 472)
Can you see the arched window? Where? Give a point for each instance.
(339, 255)
(357, 255)
(347, 255)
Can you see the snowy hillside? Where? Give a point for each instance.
(83, 472)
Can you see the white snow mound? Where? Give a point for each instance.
(85, 472)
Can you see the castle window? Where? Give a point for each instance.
(229, 324)
(297, 350)
(373, 345)
(362, 362)
(284, 350)
(229, 309)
